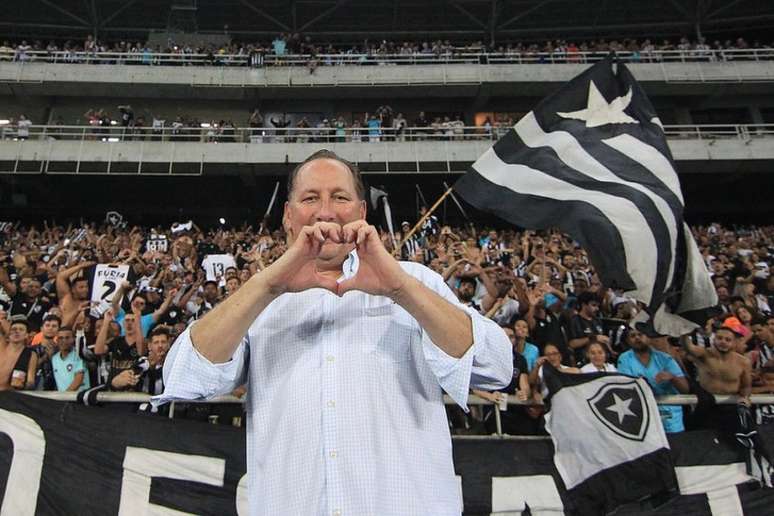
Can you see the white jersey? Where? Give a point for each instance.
(215, 266)
(157, 243)
(105, 281)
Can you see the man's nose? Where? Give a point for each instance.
(326, 213)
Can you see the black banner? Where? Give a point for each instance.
(64, 458)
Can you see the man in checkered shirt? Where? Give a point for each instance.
(347, 353)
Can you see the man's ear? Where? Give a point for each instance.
(363, 210)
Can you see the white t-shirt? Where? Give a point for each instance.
(215, 266)
(591, 368)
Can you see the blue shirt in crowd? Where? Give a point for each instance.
(628, 363)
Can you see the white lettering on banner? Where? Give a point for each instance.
(243, 507)
(511, 495)
(29, 447)
(142, 464)
(718, 482)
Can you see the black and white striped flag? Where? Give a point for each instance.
(592, 159)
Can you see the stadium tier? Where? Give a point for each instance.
(346, 257)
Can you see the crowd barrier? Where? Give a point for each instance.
(215, 133)
(455, 56)
(134, 397)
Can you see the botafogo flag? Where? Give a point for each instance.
(592, 159)
(609, 445)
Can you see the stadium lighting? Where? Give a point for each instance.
(113, 122)
(222, 220)
(205, 125)
(4, 121)
(114, 139)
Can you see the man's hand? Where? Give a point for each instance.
(125, 379)
(296, 270)
(379, 273)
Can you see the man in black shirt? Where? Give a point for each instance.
(31, 303)
(585, 326)
(544, 324)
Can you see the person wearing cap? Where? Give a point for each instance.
(347, 353)
(18, 362)
(721, 370)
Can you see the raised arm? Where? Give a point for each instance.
(63, 279)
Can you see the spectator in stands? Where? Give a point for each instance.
(553, 356)
(31, 302)
(69, 370)
(586, 327)
(18, 362)
(72, 291)
(151, 380)
(520, 345)
(661, 371)
(596, 355)
(722, 370)
(23, 127)
(122, 351)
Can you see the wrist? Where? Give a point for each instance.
(401, 293)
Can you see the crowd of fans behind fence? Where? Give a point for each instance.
(65, 326)
(313, 54)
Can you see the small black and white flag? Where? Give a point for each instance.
(609, 445)
(592, 159)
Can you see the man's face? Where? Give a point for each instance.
(638, 341)
(129, 324)
(467, 290)
(591, 309)
(159, 346)
(50, 328)
(65, 340)
(323, 191)
(770, 325)
(722, 294)
(24, 284)
(138, 303)
(81, 290)
(18, 334)
(210, 292)
(762, 333)
(33, 288)
(521, 329)
(725, 341)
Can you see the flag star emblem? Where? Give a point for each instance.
(600, 112)
(621, 408)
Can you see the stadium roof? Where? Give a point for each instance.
(354, 20)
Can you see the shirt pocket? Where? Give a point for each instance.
(389, 332)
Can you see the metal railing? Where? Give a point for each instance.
(135, 397)
(458, 55)
(212, 133)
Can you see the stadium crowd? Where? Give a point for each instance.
(275, 52)
(101, 304)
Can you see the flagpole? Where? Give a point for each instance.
(425, 217)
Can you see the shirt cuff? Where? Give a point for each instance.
(189, 375)
(453, 373)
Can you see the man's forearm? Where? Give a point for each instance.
(219, 333)
(449, 327)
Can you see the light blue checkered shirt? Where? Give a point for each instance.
(345, 402)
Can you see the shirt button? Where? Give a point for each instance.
(329, 358)
(333, 454)
(331, 404)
